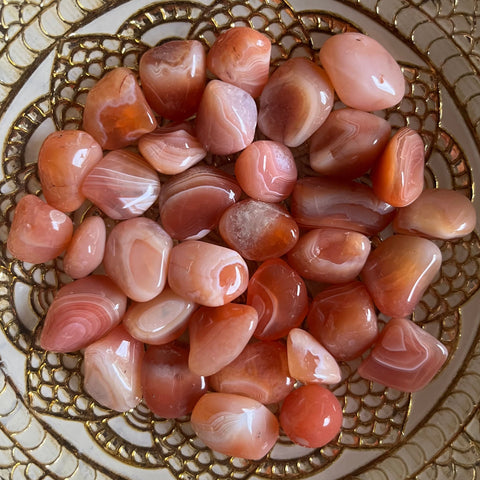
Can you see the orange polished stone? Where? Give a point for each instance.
(116, 113)
(296, 100)
(311, 416)
(64, 159)
(405, 357)
(136, 257)
(330, 255)
(258, 230)
(326, 202)
(397, 176)
(241, 56)
(112, 370)
(343, 319)
(279, 295)
(85, 252)
(218, 335)
(235, 425)
(398, 272)
(259, 372)
(437, 213)
(39, 232)
(207, 274)
(82, 312)
(170, 388)
(348, 143)
(173, 77)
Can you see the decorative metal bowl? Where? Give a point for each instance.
(51, 52)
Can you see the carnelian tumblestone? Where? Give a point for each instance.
(280, 297)
(343, 319)
(405, 357)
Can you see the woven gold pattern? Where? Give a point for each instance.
(51, 429)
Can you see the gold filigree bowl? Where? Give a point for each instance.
(51, 53)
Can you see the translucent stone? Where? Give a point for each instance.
(81, 313)
(207, 274)
(280, 297)
(258, 230)
(235, 425)
(116, 113)
(266, 171)
(311, 416)
(398, 272)
(171, 151)
(325, 202)
(330, 255)
(85, 252)
(160, 320)
(136, 257)
(259, 372)
(226, 118)
(296, 100)
(170, 388)
(364, 74)
(122, 185)
(437, 213)
(405, 357)
(64, 159)
(173, 77)
(397, 176)
(39, 232)
(112, 370)
(343, 319)
(348, 143)
(218, 335)
(241, 56)
(309, 361)
(192, 202)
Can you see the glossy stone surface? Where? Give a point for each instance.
(81, 313)
(136, 257)
(218, 335)
(397, 176)
(405, 357)
(309, 361)
(116, 113)
(241, 56)
(325, 202)
(207, 274)
(192, 202)
(279, 295)
(170, 388)
(343, 319)
(112, 370)
(258, 230)
(296, 100)
(259, 372)
(39, 232)
(398, 272)
(311, 416)
(364, 74)
(171, 151)
(173, 77)
(266, 171)
(122, 185)
(85, 251)
(348, 143)
(437, 213)
(226, 118)
(160, 320)
(64, 159)
(329, 255)
(235, 425)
